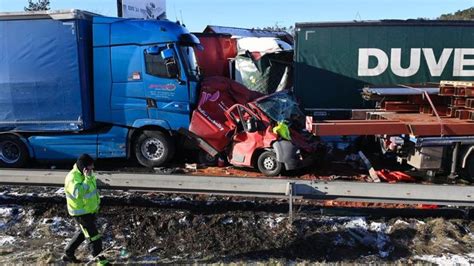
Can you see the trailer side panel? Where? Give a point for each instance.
(333, 61)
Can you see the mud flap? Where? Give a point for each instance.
(286, 153)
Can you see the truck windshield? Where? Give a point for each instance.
(190, 62)
(282, 107)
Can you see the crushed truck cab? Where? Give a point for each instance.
(234, 122)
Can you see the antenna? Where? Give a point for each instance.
(182, 20)
(357, 16)
(175, 14)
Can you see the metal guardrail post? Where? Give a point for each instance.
(289, 193)
(454, 162)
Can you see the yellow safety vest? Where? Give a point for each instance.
(82, 196)
(282, 130)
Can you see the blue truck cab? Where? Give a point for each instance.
(73, 82)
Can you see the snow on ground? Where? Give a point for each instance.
(273, 222)
(371, 235)
(9, 215)
(59, 226)
(448, 259)
(5, 211)
(32, 230)
(7, 240)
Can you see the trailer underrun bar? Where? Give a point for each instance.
(453, 195)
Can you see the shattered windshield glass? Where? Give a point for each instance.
(282, 107)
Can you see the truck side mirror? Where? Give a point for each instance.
(171, 66)
(167, 54)
(153, 50)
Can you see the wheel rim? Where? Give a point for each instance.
(269, 163)
(152, 149)
(10, 152)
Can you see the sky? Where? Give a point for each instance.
(261, 13)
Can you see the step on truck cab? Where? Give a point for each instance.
(73, 82)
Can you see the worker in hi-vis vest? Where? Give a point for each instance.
(83, 201)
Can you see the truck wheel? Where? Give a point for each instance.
(468, 172)
(268, 164)
(153, 148)
(13, 152)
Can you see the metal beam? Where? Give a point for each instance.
(355, 127)
(393, 124)
(260, 187)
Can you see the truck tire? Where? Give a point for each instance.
(468, 172)
(13, 152)
(267, 164)
(154, 148)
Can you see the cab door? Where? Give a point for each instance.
(166, 86)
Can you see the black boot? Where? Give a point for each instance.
(70, 258)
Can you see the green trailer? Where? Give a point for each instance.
(334, 61)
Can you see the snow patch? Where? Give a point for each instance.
(30, 219)
(5, 212)
(178, 199)
(6, 240)
(448, 259)
(10, 215)
(378, 227)
(373, 235)
(274, 222)
(358, 223)
(228, 220)
(184, 221)
(398, 222)
(59, 226)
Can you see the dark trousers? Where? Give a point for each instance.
(87, 222)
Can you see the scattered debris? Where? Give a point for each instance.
(372, 173)
(191, 167)
(152, 249)
(394, 176)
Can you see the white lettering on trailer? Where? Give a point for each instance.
(382, 62)
(396, 64)
(436, 68)
(460, 62)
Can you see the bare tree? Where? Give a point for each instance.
(38, 5)
(290, 29)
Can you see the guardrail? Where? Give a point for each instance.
(453, 195)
